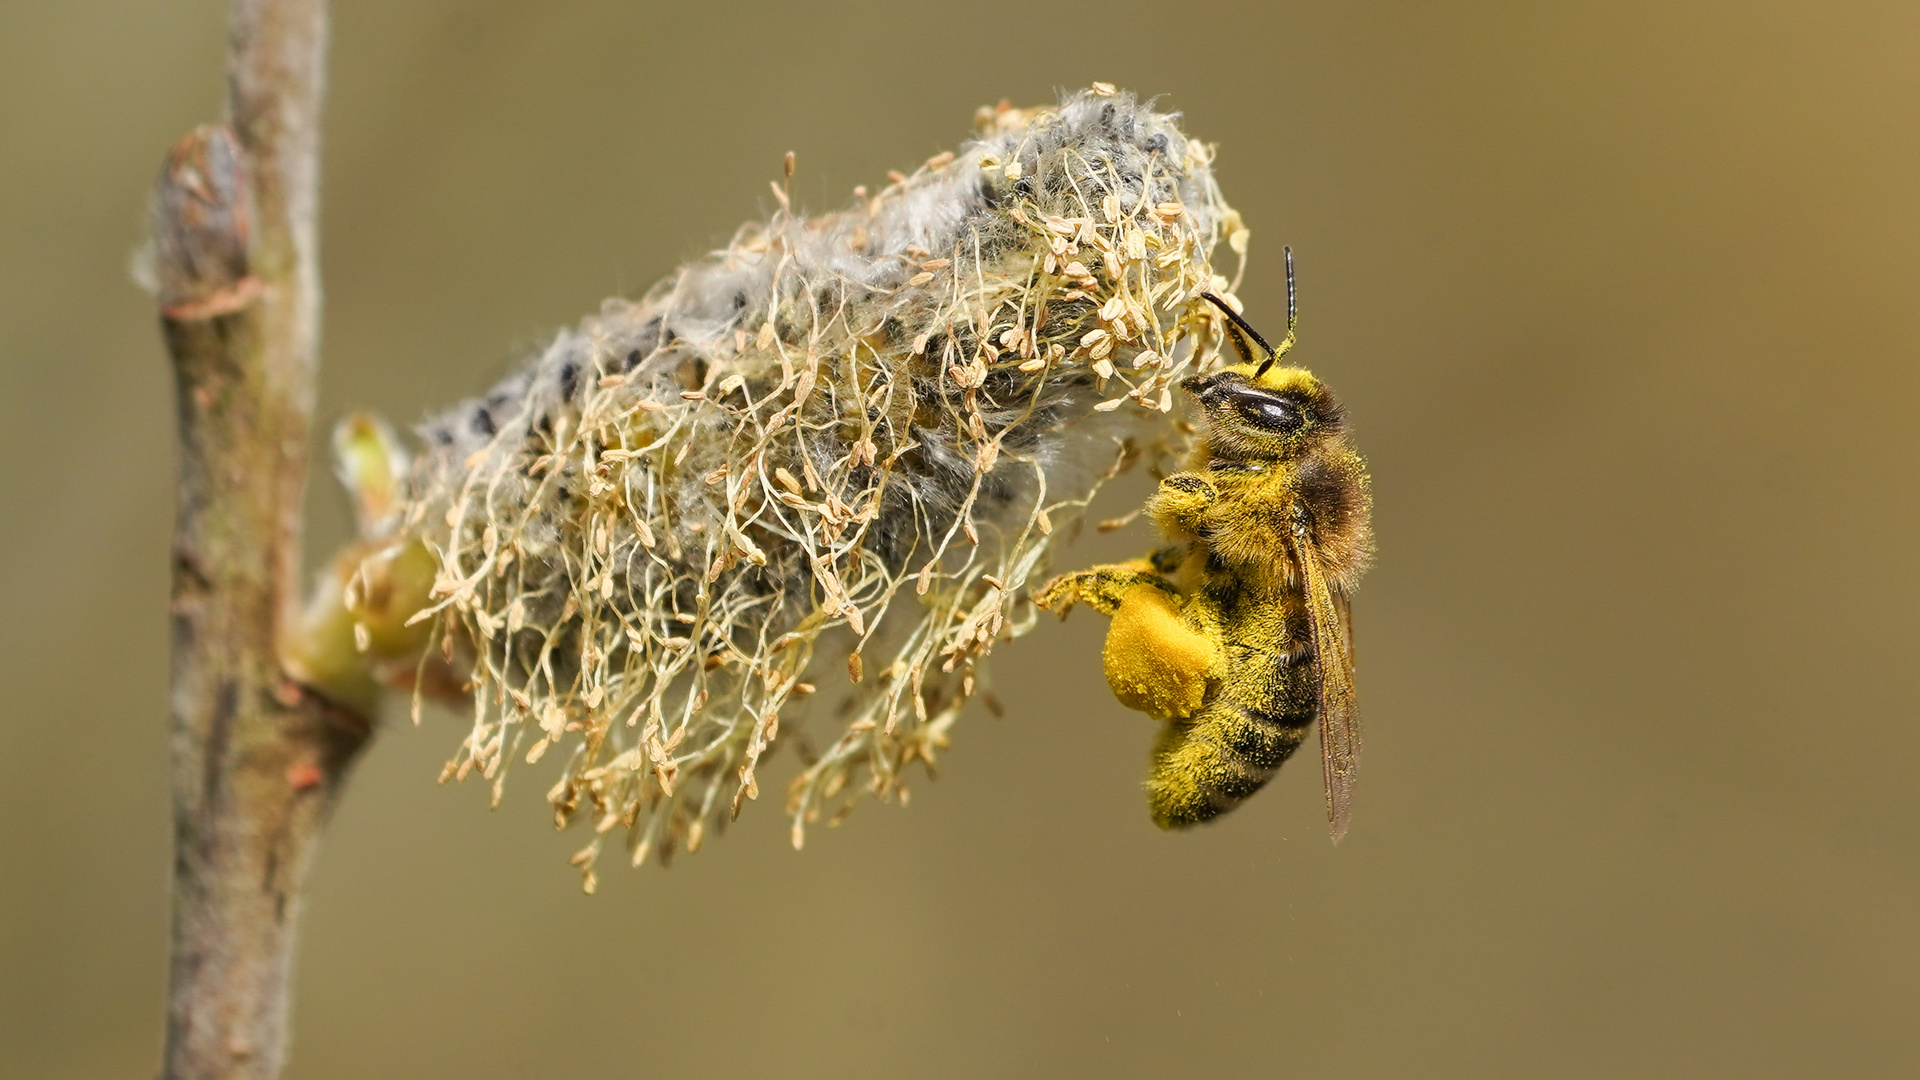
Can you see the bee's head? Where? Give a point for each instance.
(1277, 414)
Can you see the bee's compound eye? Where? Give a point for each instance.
(1270, 413)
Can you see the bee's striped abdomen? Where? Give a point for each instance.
(1204, 767)
(1239, 738)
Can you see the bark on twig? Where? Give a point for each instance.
(258, 760)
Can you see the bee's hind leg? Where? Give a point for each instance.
(1101, 587)
(1163, 652)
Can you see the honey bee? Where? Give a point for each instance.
(1238, 633)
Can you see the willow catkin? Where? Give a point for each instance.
(817, 468)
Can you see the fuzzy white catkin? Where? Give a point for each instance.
(852, 433)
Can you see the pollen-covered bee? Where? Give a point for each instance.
(1237, 634)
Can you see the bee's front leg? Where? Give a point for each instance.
(1181, 502)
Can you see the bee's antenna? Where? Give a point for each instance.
(1293, 320)
(1241, 330)
(1237, 329)
(1241, 325)
(1293, 313)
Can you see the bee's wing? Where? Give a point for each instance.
(1339, 709)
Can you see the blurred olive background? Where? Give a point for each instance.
(1621, 296)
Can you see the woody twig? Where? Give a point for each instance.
(258, 759)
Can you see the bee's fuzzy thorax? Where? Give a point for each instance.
(1269, 474)
(856, 429)
(1338, 493)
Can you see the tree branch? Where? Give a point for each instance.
(258, 759)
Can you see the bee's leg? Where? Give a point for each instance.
(1162, 652)
(1180, 502)
(1162, 648)
(1100, 586)
(1167, 560)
